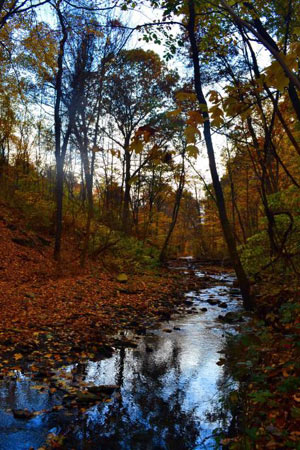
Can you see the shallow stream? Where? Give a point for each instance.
(169, 386)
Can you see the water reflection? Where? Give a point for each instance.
(168, 385)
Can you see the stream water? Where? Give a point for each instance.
(169, 386)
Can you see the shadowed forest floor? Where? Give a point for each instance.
(56, 313)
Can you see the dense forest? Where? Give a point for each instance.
(134, 135)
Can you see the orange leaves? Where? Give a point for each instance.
(296, 397)
(146, 131)
(96, 149)
(194, 118)
(142, 136)
(71, 317)
(214, 97)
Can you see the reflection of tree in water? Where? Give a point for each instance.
(226, 409)
(150, 414)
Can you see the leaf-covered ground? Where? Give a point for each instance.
(264, 358)
(57, 314)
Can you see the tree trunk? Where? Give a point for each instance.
(90, 213)
(59, 206)
(126, 202)
(176, 207)
(60, 150)
(227, 232)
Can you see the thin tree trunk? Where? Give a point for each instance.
(176, 207)
(60, 147)
(228, 235)
(126, 203)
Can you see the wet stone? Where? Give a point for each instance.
(87, 397)
(104, 389)
(22, 414)
(223, 305)
(212, 301)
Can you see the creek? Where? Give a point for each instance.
(169, 386)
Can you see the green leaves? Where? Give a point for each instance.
(261, 396)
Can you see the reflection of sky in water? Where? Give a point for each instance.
(164, 393)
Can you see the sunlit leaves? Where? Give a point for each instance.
(185, 96)
(115, 152)
(174, 113)
(190, 133)
(194, 118)
(96, 149)
(192, 151)
(41, 46)
(276, 76)
(217, 116)
(137, 145)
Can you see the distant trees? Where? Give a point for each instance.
(138, 86)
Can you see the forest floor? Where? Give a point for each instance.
(265, 359)
(56, 314)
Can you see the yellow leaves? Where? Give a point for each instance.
(142, 135)
(18, 356)
(192, 151)
(182, 96)
(137, 145)
(190, 133)
(276, 76)
(93, 31)
(232, 106)
(233, 397)
(217, 116)
(296, 31)
(38, 387)
(42, 48)
(174, 113)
